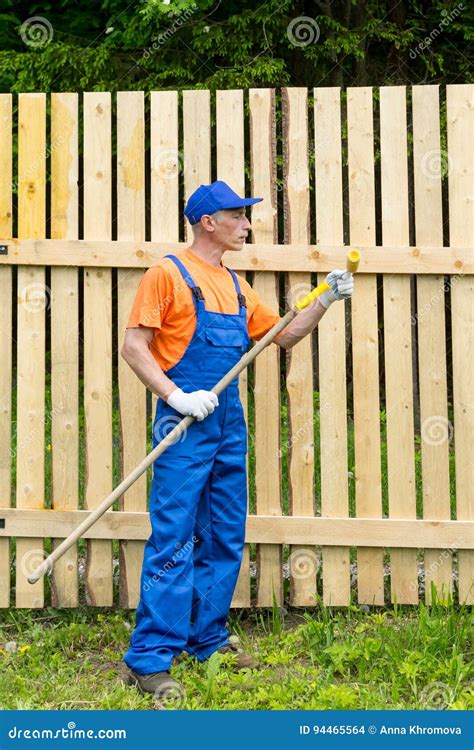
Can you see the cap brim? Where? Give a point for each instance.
(243, 202)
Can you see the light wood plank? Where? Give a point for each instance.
(460, 108)
(64, 337)
(6, 222)
(299, 381)
(98, 337)
(365, 348)
(332, 344)
(266, 367)
(131, 226)
(264, 529)
(397, 344)
(230, 155)
(254, 257)
(33, 298)
(197, 144)
(166, 167)
(430, 319)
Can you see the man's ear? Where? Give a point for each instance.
(207, 223)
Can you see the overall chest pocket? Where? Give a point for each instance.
(233, 339)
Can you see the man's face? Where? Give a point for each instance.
(231, 229)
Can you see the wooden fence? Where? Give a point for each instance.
(77, 215)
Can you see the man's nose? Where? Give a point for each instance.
(247, 224)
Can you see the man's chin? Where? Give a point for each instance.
(236, 245)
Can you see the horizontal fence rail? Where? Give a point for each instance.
(360, 462)
(301, 258)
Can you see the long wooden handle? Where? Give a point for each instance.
(47, 565)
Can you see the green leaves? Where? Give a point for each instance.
(234, 44)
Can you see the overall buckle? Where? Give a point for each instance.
(242, 300)
(197, 293)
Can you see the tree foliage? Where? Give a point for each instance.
(168, 44)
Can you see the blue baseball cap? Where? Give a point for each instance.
(210, 198)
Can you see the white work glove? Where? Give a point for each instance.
(196, 404)
(341, 283)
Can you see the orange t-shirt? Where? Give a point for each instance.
(165, 302)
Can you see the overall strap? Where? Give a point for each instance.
(240, 296)
(198, 296)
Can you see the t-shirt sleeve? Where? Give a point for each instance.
(262, 317)
(152, 299)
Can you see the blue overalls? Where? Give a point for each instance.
(198, 503)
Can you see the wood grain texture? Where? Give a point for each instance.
(303, 560)
(365, 348)
(431, 324)
(33, 298)
(266, 367)
(332, 343)
(397, 343)
(460, 108)
(230, 152)
(65, 336)
(6, 225)
(98, 337)
(265, 529)
(131, 226)
(402, 260)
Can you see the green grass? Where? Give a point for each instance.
(399, 658)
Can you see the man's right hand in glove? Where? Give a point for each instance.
(197, 404)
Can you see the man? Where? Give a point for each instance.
(191, 321)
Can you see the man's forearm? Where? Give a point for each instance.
(148, 370)
(301, 325)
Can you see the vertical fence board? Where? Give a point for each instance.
(303, 566)
(6, 228)
(197, 143)
(460, 108)
(98, 337)
(332, 344)
(397, 327)
(266, 366)
(230, 152)
(166, 165)
(32, 299)
(64, 338)
(132, 393)
(365, 348)
(431, 332)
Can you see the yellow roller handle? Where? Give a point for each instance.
(352, 264)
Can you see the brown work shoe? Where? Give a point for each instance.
(161, 685)
(241, 660)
